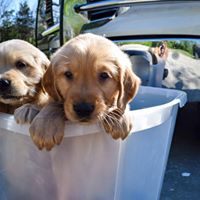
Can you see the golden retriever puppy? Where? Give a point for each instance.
(160, 52)
(91, 80)
(22, 67)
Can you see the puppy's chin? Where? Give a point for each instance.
(18, 96)
(12, 100)
(85, 120)
(16, 99)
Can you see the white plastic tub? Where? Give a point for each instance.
(89, 164)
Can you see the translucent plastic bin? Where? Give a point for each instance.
(89, 164)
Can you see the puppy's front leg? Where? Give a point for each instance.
(117, 125)
(47, 128)
(26, 113)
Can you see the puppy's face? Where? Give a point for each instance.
(92, 76)
(21, 68)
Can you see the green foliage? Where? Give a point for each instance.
(24, 22)
(17, 25)
(8, 27)
(146, 43)
(183, 46)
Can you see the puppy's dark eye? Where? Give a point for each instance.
(20, 64)
(103, 76)
(69, 75)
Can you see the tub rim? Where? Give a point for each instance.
(151, 116)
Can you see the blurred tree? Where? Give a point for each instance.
(7, 28)
(18, 24)
(4, 4)
(25, 23)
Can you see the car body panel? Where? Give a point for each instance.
(132, 21)
(158, 18)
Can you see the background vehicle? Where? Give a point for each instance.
(141, 25)
(196, 50)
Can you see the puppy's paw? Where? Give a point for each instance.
(47, 129)
(26, 113)
(46, 133)
(117, 127)
(122, 130)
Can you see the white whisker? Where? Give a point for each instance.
(64, 56)
(116, 121)
(66, 63)
(33, 91)
(103, 118)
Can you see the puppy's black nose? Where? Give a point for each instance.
(83, 109)
(4, 85)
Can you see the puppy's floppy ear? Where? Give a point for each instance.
(49, 85)
(45, 64)
(42, 60)
(129, 84)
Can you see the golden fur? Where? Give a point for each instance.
(160, 52)
(22, 67)
(93, 80)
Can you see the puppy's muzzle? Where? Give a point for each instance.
(4, 85)
(83, 109)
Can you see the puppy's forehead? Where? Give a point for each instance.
(13, 50)
(17, 45)
(86, 51)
